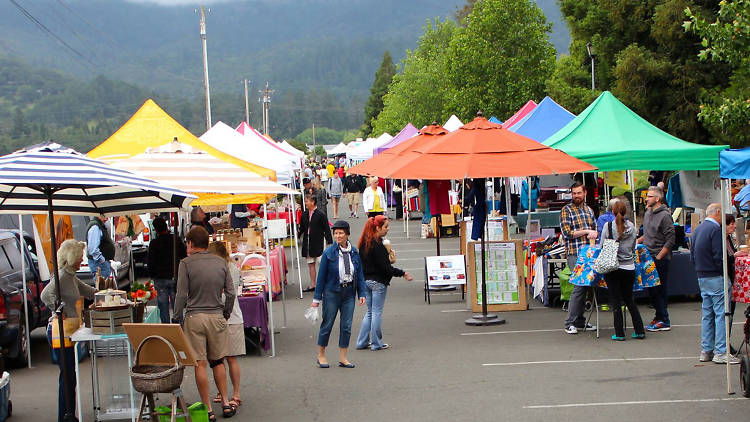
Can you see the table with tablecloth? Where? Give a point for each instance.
(741, 287)
(255, 315)
(278, 269)
(284, 215)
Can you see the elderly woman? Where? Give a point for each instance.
(340, 281)
(373, 199)
(69, 258)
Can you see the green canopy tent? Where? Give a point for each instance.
(612, 137)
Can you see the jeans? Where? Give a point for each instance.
(165, 291)
(105, 267)
(620, 287)
(713, 329)
(70, 365)
(659, 293)
(371, 332)
(334, 303)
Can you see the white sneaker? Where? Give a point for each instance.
(722, 358)
(706, 356)
(572, 330)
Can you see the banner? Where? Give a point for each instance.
(63, 232)
(700, 188)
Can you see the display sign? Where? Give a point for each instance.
(501, 273)
(277, 228)
(445, 270)
(700, 188)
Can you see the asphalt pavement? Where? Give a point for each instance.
(439, 369)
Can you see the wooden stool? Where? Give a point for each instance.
(148, 399)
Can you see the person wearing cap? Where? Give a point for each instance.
(340, 281)
(313, 229)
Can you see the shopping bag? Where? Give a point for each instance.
(607, 261)
(565, 287)
(645, 269)
(70, 325)
(583, 273)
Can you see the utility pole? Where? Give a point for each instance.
(313, 136)
(266, 102)
(205, 67)
(247, 106)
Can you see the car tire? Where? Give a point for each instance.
(21, 358)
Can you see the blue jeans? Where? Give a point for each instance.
(713, 329)
(334, 303)
(70, 365)
(105, 267)
(371, 332)
(165, 291)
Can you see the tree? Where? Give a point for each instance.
(726, 112)
(642, 56)
(374, 106)
(20, 128)
(418, 93)
(500, 60)
(319, 151)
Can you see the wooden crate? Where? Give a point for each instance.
(110, 322)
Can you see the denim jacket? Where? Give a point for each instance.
(328, 273)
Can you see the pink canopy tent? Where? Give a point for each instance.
(407, 132)
(520, 114)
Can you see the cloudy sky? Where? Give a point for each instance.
(181, 2)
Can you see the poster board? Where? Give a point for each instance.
(445, 270)
(277, 228)
(504, 276)
(156, 352)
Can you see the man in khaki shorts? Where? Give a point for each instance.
(203, 277)
(353, 189)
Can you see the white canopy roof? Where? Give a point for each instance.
(364, 150)
(338, 149)
(452, 124)
(251, 149)
(289, 148)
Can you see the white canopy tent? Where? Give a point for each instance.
(289, 148)
(250, 149)
(338, 149)
(453, 124)
(364, 150)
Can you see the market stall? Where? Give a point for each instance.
(31, 182)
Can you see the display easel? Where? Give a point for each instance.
(522, 304)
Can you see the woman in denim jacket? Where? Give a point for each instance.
(340, 280)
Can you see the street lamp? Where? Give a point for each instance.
(592, 55)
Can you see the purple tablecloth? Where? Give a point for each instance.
(255, 314)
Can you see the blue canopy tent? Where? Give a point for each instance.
(545, 119)
(494, 119)
(733, 164)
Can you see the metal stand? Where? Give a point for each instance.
(484, 318)
(151, 415)
(591, 312)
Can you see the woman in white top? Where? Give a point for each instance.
(620, 282)
(235, 327)
(373, 199)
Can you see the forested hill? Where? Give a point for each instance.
(319, 56)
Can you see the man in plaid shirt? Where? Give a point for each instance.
(578, 225)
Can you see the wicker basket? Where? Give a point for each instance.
(156, 378)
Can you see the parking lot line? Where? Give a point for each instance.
(487, 333)
(627, 403)
(549, 362)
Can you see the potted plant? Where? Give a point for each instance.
(141, 293)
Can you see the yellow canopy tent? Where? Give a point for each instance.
(151, 127)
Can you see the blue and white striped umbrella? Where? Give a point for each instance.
(79, 185)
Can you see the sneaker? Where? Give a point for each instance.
(588, 327)
(638, 336)
(722, 358)
(572, 330)
(706, 356)
(615, 337)
(659, 326)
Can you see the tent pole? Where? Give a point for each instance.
(268, 281)
(25, 286)
(528, 210)
(492, 198)
(725, 274)
(632, 194)
(282, 281)
(508, 213)
(302, 190)
(407, 206)
(403, 204)
(296, 247)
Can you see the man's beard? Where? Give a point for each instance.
(577, 201)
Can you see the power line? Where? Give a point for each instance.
(47, 31)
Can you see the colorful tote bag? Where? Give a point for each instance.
(645, 269)
(583, 273)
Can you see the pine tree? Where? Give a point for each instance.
(374, 106)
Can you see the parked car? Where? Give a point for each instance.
(12, 321)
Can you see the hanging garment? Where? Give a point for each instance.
(439, 196)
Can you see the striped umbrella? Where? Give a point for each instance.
(50, 177)
(78, 185)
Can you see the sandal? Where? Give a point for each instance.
(235, 402)
(228, 411)
(217, 399)
(211, 416)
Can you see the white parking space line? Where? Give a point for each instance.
(455, 310)
(629, 403)
(487, 333)
(550, 362)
